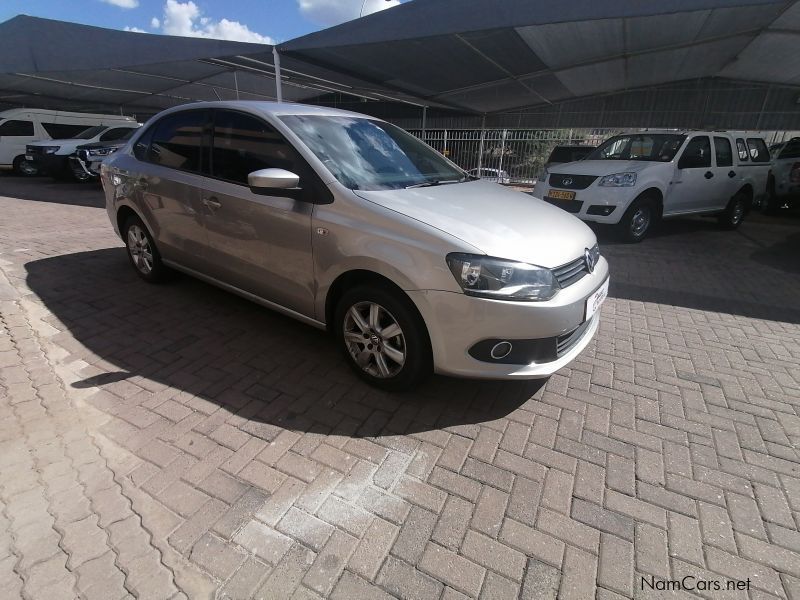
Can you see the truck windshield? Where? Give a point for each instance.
(88, 134)
(659, 147)
(365, 154)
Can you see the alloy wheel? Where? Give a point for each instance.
(374, 340)
(640, 221)
(140, 250)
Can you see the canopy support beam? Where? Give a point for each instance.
(276, 58)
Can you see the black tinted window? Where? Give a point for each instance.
(697, 154)
(16, 128)
(177, 140)
(758, 150)
(62, 131)
(722, 148)
(243, 144)
(741, 148)
(791, 149)
(115, 134)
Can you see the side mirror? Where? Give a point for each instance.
(274, 182)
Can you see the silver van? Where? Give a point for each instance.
(349, 223)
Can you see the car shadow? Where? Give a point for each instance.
(695, 264)
(215, 346)
(46, 189)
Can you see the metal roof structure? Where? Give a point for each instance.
(55, 64)
(486, 57)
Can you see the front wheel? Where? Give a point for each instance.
(734, 213)
(638, 220)
(383, 338)
(25, 167)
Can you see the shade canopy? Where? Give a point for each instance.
(488, 57)
(54, 64)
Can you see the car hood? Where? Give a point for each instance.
(56, 142)
(498, 221)
(94, 145)
(601, 167)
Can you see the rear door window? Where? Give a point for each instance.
(758, 150)
(16, 127)
(178, 140)
(723, 152)
(741, 148)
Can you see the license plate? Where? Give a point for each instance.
(595, 301)
(561, 195)
(28, 157)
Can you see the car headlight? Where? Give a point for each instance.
(618, 180)
(500, 279)
(102, 151)
(50, 149)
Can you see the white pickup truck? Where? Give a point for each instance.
(634, 179)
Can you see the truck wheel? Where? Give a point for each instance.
(638, 220)
(734, 214)
(24, 167)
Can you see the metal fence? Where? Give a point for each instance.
(521, 153)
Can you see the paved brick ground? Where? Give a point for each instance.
(157, 442)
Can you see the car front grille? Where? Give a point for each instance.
(571, 206)
(577, 269)
(565, 343)
(571, 182)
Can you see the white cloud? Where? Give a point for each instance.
(123, 3)
(333, 12)
(185, 19)
(135, 29)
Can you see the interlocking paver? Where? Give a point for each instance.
(668, 447)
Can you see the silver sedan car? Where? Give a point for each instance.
(349, 223)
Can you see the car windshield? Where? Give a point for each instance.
(364, 154)
(659, 147)
(88, 134)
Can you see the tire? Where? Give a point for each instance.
(770, 204)
(25, 168)
(142, 252)
(395, 363)
(638, 220)
(734, 213)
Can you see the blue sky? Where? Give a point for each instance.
(245, 20)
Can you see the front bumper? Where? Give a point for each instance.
(49, 163)
(590, 203)
(457, 322)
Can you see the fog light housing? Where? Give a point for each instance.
(500, 350)
(600, 209)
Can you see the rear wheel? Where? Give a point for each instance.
(383, 338)
(638, 220)
(142, 251)
(24, 167)
(734, 213)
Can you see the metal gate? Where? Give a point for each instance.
(520, 153)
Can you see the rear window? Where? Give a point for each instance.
(741, 148)
(757, 149)
(62, 131)
(791, 149)
(16, 128)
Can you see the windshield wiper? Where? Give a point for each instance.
(433, 182)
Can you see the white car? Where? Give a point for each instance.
(634, 179)
(785, 180)
(53, 156)
(492, 175)
(21, 126)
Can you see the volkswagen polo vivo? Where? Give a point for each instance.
(349, 223)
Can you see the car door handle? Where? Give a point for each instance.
(731, 173)
(708, 175)
(212, 203)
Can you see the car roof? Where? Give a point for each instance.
(271, 108)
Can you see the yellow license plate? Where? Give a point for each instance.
(561, 195)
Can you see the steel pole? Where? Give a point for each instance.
(276, 59)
